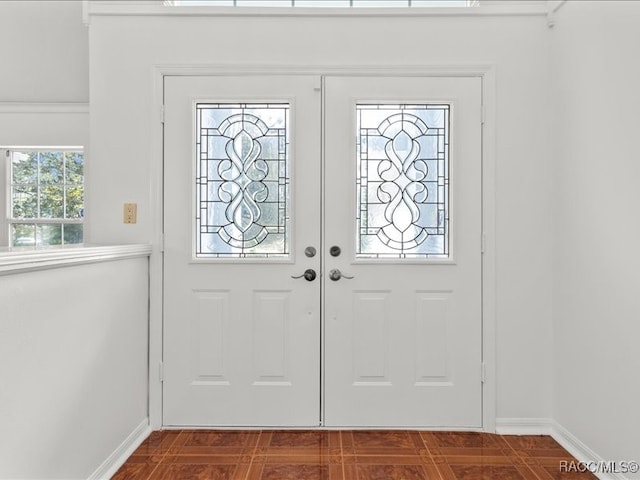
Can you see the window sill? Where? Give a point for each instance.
(28, 259)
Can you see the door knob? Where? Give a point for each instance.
(336, 275)
(309, 275)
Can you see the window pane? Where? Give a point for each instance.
(322, 3)
(23, 235)
(402, 181)
(242, 180)
(200, 3)
(49, 234)
(51, 201)
(380, 3)
(439, 3)
(51, 169)
(74, 202)
(25, 167)
(263, 3)
(24, 201)
(73, 233)
(74, 167)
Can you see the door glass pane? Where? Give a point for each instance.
(402, 181)
(242, 180)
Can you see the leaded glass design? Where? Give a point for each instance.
(242, 180)
(402, 181)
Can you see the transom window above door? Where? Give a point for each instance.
(323, 3)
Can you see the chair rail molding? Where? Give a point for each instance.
(21, 260)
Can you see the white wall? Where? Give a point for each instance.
(124, 51)
(596, 168)
(44, 50)
(73, 364)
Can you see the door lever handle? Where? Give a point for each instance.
(309, 275)
(336, 275)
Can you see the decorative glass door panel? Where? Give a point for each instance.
(402, 176)
(242, 180)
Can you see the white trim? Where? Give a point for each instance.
(322, 428)
(5, 200)
(26, 259)
(438, 70)
(579, 450)
(484, 71)
(156, 262)
(40, 108)
(524, 426)
(489, 275)
(85, 12)
(120, 455)
(568, 441)
(102, 8)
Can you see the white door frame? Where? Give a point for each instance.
(487, 116)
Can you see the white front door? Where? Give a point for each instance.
(384, 186)
(242, 203)
(403, 203)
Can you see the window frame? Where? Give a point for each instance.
(36, 221)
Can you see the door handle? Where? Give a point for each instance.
(309, 275)
(336, 275)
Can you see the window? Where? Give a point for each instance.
(46, 196)
(323, 3)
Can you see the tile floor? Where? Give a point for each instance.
(345, 455)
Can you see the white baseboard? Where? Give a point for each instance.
(111, 465)
(524, 426)
(581, 451)
(568, 441)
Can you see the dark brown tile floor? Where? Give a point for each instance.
(345, 455)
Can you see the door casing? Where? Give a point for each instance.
(487, 117)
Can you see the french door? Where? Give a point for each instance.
(322, 251)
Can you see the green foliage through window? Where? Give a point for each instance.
(47, 197)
